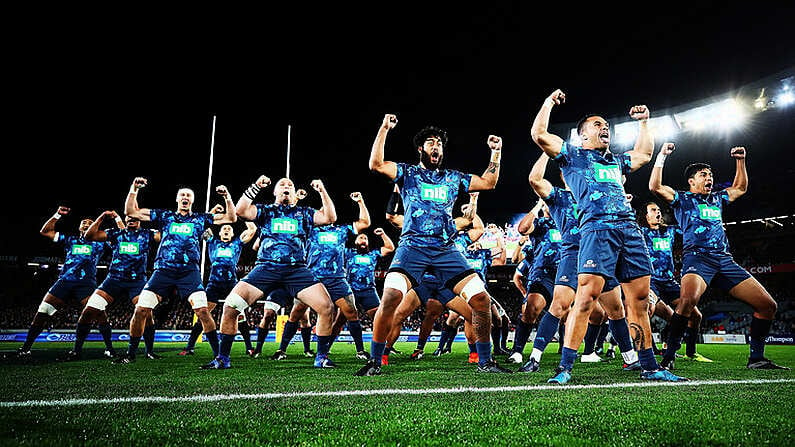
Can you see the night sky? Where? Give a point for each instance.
(90, 106)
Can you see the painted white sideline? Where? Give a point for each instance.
(381, 392)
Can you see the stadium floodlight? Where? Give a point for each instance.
(785, 98)
(724, 115)
(663, 127)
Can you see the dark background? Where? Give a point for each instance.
(90, 104)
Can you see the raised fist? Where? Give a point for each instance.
(263, 181)
(356, 197)
(63, 210)
(639, 113)
(494, 142)
(221, 189)
(557, 97)
(667, 149)
(111, 213)
(217, 209)
(738, 153)
(390, 121)
(317, 185)
(378, 231)
(139, 183)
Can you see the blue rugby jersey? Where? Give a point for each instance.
(224, 257)
(524, 269)
(595, 179)
(660, 243)
(563, 210)
(361, 268)
(701, 218)
(283, 231)
(180, 238)
(130, 252)
(81, 259)
(428, 199)
(547, 242)
(326, 252)
(479, 261)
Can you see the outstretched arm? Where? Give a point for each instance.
(248, 234)
(540, 185)
(245, 207)
(527, 224)
(131, 207)
(655, 181)
(94, 233)
(740, 184)
(327, 213)
(477, 229)
(489, 178)
(640, 155)
(377, 163)
(364, 214)
(388, 246)
(469, 211)
(549, 143)
(502, 256)
(228, 216)
(48, 229)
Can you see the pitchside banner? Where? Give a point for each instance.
(182, 337)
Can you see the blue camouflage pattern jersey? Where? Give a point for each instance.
(223, 259)
(563, 210)
(428, 199)
(462, 241)
(326, 252)
(547, 240)
(130, 253)
(361, 268)
(660, 243)
(595, 180)
(180, 237)
(479, 261)
(82, 257)
(524, 269)
(283, 231)
(701, 218)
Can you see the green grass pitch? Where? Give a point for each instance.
(291, 403)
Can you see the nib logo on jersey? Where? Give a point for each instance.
(284, 225)
(607, 173)
(328, 238)
(564, 278)
(81, 249)
(129, 248)
(433, 193)
(661, 244)
(223, 252)
(589, 264)
(707, 212)
(182, 229)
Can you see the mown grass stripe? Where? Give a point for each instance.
(376, 392)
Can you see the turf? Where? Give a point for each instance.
(727, 414)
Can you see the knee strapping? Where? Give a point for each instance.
(197, 300)
(473, 287)
(47, 308)
(147, 299)
(395, 280)
(237, 302)
(97, 302)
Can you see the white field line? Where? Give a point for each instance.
(380, 392)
